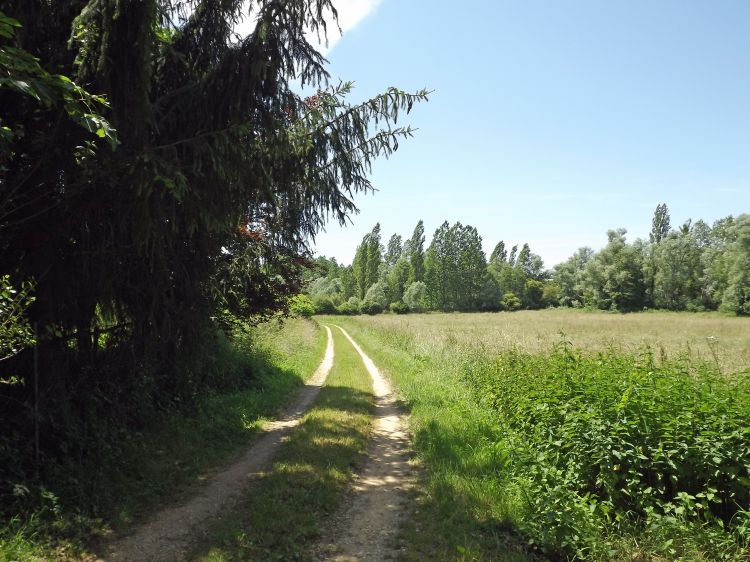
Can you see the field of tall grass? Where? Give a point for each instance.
(574, 434)
(707, 336)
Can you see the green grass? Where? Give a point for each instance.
(522, 444)
(140, 470)
(280, 515)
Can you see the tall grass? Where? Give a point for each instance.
(611, 452)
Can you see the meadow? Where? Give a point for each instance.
(573, 434)
(706, 336)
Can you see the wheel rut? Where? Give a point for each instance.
(169, 534)
(366, 527)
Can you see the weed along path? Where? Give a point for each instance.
(365, 528)
(169, 534)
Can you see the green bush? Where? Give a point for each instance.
(612, 445)
(371, 307)
(511, 302)
(301, 305)
(415, 296)
(348, 308)
(324, 305)
(399, 307)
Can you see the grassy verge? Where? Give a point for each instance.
(605, 456)
(148, 467)
(280, 515)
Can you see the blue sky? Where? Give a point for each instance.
(551, 121)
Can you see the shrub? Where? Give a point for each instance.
(324, 305)
(399, 307)
(376, 293)
(301, 305)
(370, 307)
(349, 308)
(511, 302)
(415, 296)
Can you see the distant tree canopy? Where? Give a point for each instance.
(697, 267)
(159, 174)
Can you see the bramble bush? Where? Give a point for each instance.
(606, 447)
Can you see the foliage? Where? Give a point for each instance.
(301, 305)
(15, 331)
(324, 305)
(397, 279)
(549, 443)
(613, 278)
(414, 249)
(415, 296)
(659, 224)
(454, 268)
(510, 302)
(367, 260)
(371, 307)
(350, 307)
(696, 267)
(22, 74)
(533, 294)
(736, 296)
(399, 307)
(615, 443)
(376, 294)
(490, 296)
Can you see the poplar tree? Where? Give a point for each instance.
(659, 224)
(415, 254)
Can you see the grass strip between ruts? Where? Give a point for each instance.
(280, 515)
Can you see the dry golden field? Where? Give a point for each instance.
(708, 336)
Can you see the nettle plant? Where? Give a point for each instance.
(618, 443)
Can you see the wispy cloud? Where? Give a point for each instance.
(350, 14)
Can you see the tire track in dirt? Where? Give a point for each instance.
(366, 528)
(169, 534)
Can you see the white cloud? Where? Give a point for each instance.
(350, 14)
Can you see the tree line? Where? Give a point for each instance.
(693, 267)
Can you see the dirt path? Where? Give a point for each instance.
(365, 529)
(170, 533)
